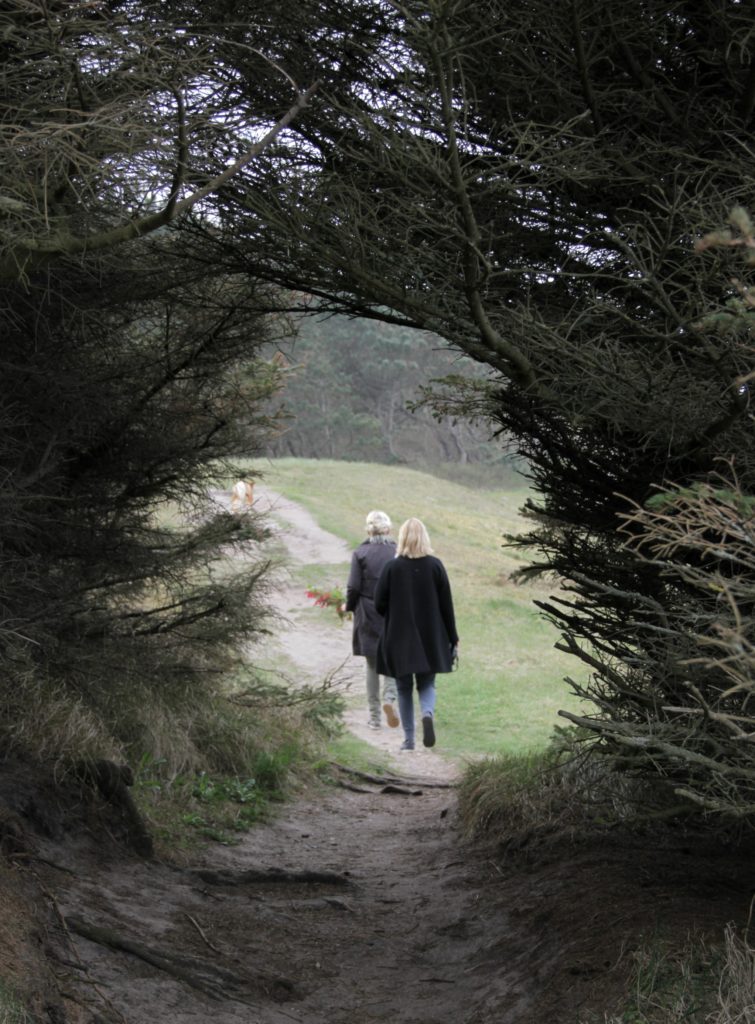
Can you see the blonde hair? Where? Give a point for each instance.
(413, 539)
(377, 523)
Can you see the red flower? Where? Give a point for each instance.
(328, 599)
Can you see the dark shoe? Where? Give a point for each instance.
(407, 745)
(390, 714)
(428, 731)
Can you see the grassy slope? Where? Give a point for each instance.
(509, 686)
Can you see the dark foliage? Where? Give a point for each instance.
(120, 404)
(130, 375)
(528, 181)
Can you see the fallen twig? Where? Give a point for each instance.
(202, 934)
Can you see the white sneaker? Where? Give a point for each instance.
(373, 725)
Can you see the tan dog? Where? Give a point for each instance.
(242, 494)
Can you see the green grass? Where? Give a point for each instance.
(355, 753)
(11, 1009)
(187, 810)
(509, 687)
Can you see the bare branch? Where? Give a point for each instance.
(31, 252)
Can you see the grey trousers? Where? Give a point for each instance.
(373, 690)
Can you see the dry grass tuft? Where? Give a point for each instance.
(698, 982)
(42, 720)
(511, 797)
(24, 974)
(736, 990)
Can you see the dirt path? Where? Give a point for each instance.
(320, 646)
(367, 906)
(391, 937)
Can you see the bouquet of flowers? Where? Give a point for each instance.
(332, 598)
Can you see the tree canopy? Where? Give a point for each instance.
(529, 182)
(131, 378)
(354, 389)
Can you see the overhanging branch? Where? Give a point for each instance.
(32, 252)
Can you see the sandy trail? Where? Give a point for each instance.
(401, 922)
(395, 940)
(320, 646)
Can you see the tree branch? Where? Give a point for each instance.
(183, 156)
(584, 74)
(32, 252)
(520, 367)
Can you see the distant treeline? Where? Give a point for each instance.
(352, 391)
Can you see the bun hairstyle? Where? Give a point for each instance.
(377, 523)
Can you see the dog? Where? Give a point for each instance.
(242, 494)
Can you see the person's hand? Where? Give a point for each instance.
(342, 609)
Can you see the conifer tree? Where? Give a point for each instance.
(131, 376)
(529, 181)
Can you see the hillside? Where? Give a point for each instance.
(510, 684)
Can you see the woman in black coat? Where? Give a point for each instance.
(419, 637)
(366, 564)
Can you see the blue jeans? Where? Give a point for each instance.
(426, 692)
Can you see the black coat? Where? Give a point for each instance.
(419, 632)
(366, 565)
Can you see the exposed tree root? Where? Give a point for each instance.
(15, 841)
(383, 780)
(389, 788)
(268, 875)
(352, 787)
(213, 980)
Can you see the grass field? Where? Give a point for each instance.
(505, 696)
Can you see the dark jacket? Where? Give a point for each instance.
(419, 632)
(366, 565)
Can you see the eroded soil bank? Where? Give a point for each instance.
(364, 904)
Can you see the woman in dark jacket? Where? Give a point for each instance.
(419, 637)
(366, 565)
